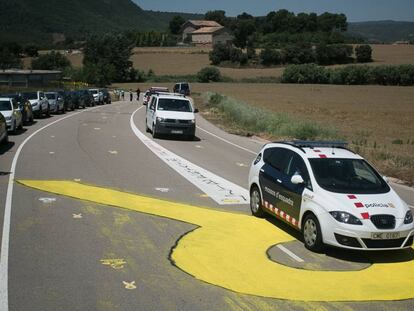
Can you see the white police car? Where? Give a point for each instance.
(331, 194)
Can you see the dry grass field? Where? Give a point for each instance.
(188, 61)
(377, 120)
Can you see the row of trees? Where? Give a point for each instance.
(350, 75)
(12, 52)
(321, 54)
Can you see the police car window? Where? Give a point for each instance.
(276, 157)
(296, 166)
(152, 106)
(179, 105)
(348, 176)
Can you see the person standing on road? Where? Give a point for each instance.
(122, 94)
(131, 95)
(138, 92)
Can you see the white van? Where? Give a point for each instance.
(170, 114)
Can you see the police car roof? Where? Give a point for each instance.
(316, 150)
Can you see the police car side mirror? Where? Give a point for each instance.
(297, 180)
(196, 110)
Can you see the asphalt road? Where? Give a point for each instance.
(70, 254)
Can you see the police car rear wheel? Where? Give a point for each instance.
(312, 234)
(256, 203)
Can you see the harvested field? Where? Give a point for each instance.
(377, 119)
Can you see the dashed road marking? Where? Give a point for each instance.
(208, 253)
(199, 147)
(47, 200)
(222, 191)
(241, 164)
(52, 136)
(116, 264)
(164, 190)
(130, 285)
(97, 128)
(113, 152)
(77, 216)
(51, 152)
(77, 179)
(290, 253)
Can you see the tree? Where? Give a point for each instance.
(31, 51)
(175, 24)
(8, 59)
(51, 61)
(109, 50)
(363, 53)
(218, 16)
(243, 30)
(270, 57)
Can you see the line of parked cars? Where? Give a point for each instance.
(20, 108)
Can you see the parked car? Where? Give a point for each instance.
(24, 106)
(39, 102)
(182, 88)
(171, 114)
(75, 97)
(56, 102)
(11, 112)
(151, 91)
(106, 96)
(4, 136)
(330, 194)
(67, 100)
(86, 98)
(97, 96)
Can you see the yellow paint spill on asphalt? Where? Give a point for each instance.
(229, 250)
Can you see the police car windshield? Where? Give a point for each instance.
(50, 95)
(169, 104)
(348, 176)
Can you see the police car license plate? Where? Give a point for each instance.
(385, 235)
(176, 132)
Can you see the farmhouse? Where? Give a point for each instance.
(205, 33)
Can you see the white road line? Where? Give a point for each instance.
(4, 259)
(289, 253)
(222, 191)
(227, 141)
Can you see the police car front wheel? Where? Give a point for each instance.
(312, 234)
(256, 203)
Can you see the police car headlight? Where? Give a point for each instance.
(408, 218)
(346, 218)
(159, 119)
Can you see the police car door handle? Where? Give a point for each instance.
(279, 181)
(262, 170)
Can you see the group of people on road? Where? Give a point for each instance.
(131, 94)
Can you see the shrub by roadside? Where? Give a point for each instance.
(209, 74)
(259, 121)
(350, 75)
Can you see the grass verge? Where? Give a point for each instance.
(249, 120)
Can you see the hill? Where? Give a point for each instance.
(35, 21)
(383, 31)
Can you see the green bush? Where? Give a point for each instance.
(307, 73)
(51, 61)
(209, 74)
(299, 54)
(363, 53)
(270, 57)
(333, 54)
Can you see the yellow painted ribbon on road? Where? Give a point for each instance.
(229, 250)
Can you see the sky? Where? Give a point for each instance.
(356, 10)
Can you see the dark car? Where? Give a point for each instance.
(182, 88)
(4, 137)
(75, 98)
(24, 106)
(86, 98)
(106, 96)
(67, 100)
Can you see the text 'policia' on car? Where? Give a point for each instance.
(331, 194)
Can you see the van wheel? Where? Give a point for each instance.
(312, 234)
(256, 203)
(154, 131)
